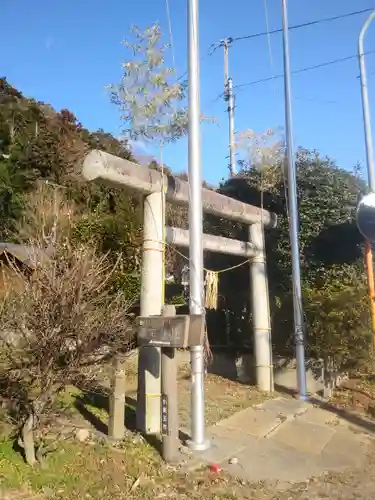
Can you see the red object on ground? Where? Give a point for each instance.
(215, 468)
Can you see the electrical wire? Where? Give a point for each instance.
(294, 72)
(302, 25)
(302, 70)
(162, 194)
(170, 32)
(185, 73)
(316, 99)
(268, 32)
(271, 60)
(269, 43)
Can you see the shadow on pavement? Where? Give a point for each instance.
(350, 417)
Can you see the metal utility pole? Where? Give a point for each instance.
(198, 441)
(229, 98)
(293, 216)
(225, 44)
(370, 161)
(365, 104)
(232, 159)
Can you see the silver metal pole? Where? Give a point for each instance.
(232, 159)
(293, 217)
(366, 105)
(198, 441)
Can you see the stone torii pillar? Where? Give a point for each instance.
(105, 168)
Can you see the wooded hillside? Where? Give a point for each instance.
(41, 145)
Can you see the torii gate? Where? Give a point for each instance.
(102, 167)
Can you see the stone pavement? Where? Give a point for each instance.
(285, 441)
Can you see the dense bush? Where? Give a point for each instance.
(338, 319)
(331, 260)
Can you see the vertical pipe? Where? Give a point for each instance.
(148, 404)
(261, 311)
(293, 218)
(232, 160)
(198, 441)
(371, 287)
(365, 104)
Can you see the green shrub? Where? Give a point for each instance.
(338, 319)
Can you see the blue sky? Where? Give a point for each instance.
(64, 52)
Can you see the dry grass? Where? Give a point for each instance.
(223, 397)
(134, 470)
(78, 471)
(357, 394)
(19, 494)
(83, 471)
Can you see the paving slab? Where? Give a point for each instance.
(345, 449)
(283, 441)
(304, 437)
(236, 436)
(270, 460)
(318, 416)
(286, 408)
(254, 422)
(226, 445)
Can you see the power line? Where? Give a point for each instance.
(298, 71)
(302, 70)
(316, 99)
(170, 32)
(303, 25)
(269, 43)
